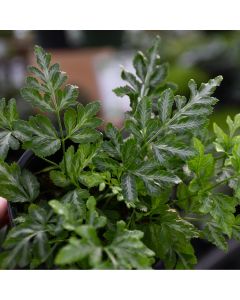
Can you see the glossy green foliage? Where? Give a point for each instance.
(39, 135)
(8, 116)
(46, 88)
(81, 123)
(17, 185)
(28, 243)
(127, 197)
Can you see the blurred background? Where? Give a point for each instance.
(93, 59)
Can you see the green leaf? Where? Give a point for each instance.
(143, 111)
(205, 90)
(33, 96)
(91, 179)
(186, 257)
(128, 183)
(170, 239)
(77, 199)
(20, 255)
(129, 150)
(191, 116)
(38, 131)
(233, 125)
(214, 235)
(222, 208)
(235, 157)
(159, 75)
(43, 58)
(154, 178)
(183, 196)
(30, 184)
(165, 104)
(131, 79)
(27, 241)
(8, 115)
(202, 164)
(81, 123)
(187, 124)
(75, 251)
(149, 71)
(93, 217)
(59, 178)
(164, 151)
(236, 228)
(222, 141)
(140, 65)
(58, 79)
(105, 163)
(47, 90)
(123, 91)
(89, 246)
(71, 213)
(76, 162)
(7, 141)
(127, 251)
(67, 97)
(17, 185)
(113, 147)
(180, 101)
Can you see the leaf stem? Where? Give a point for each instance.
(46, 170)
(192, 219)
(219, 183)
(54, 100)
(145, 86)
(176, 116)
(49, 161)
(212, 187)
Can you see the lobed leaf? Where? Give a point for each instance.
(8, 115)
(127, 251)
(128, 183)
(17, 185)
(81, 123)
(27, 242)
(38, 131)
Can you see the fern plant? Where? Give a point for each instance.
(122, 198)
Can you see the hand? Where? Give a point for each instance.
(3, 212)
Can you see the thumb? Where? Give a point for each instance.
(3, 211)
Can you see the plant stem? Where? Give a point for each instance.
(54, 100)
(49, 161)
(46, 169)
(192, 219)
(219, 183)
(145, 86)
(212, 187)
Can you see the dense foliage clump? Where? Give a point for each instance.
(122, 198)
